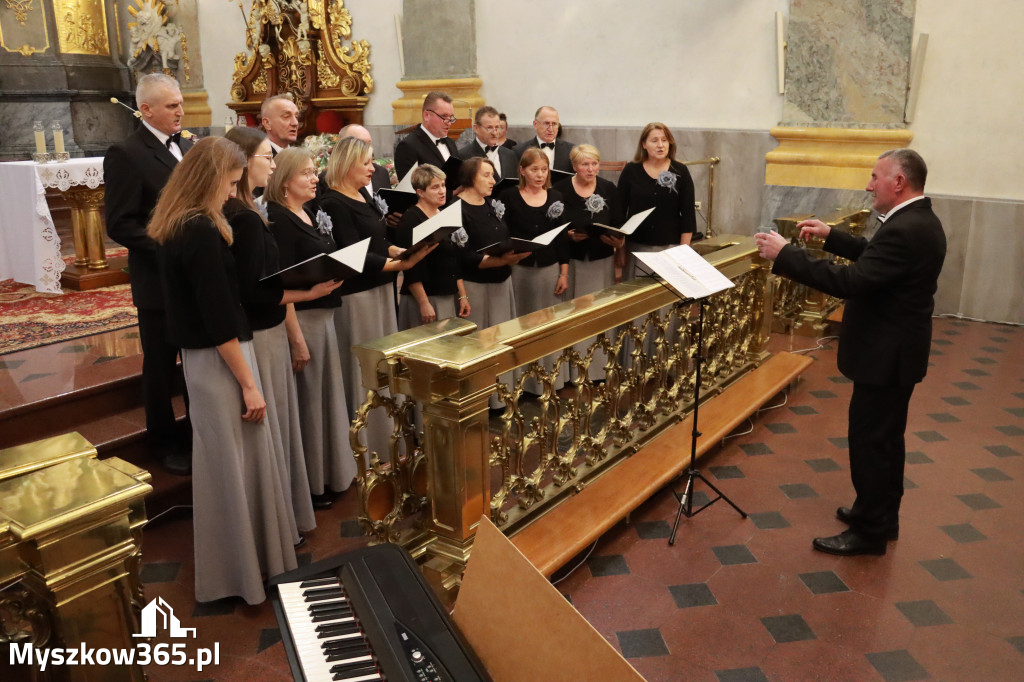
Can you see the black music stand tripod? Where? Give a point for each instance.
(692, 472)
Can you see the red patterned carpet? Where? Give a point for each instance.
(31, 318)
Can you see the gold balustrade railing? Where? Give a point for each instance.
(429, 492)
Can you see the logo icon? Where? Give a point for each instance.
(159, 608)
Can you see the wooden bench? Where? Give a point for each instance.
(558, 536)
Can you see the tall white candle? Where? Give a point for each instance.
(58, 140)
(40, 138)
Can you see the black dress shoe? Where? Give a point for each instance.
(323, 501)
(848, 543)
(302, 542)
(176, 459)
(845, 514)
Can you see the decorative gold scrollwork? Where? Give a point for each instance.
(21, 9)
(24, 617)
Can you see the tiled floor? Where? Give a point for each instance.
(741, 600)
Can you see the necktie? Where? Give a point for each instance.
(175, 138)
(439, 142)
(490, 148)
(547, 145)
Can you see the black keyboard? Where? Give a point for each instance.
(368, 615)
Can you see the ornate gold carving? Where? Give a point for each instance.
(326, 78)
(291, 67)
(82, 27)
(259, 85)
(21, 9)
(316, 14)
(25, 617)
(25, 49)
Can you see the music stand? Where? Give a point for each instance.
(690, 277)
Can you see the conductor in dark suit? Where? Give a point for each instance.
(546, 123)
(429, 143)
(487, 126)
(885, 339)
(134, 171)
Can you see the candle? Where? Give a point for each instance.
(58, 137)
(37, 127)
(229, 123)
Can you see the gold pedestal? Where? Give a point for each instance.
(91, 269)
(837, 158)
(197, 109)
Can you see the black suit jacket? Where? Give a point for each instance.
(507, 157)
(889, 291)
(562, 149)
(418, 148)
(134, 171)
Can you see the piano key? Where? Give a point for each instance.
(364, 678)
(315, 582)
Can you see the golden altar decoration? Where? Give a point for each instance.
(430, 490)
(303, 48)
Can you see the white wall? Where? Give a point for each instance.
(704, 64)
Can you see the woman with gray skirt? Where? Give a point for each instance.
(433, 289)
(266, 306)
(590, 199)
(488, 279)
(368, 312)
(242, 521)
(323, 412)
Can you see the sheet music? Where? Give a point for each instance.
(629, 227)
(449, 217)
(354, 255)
(405, 184)
(685, 270)
(547, 237)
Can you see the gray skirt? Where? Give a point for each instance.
(273, 357)
(365, 316)
(409, 310)
(241, 505)
(323, 412)
(491, 304)
(588, 277)
(535, 290)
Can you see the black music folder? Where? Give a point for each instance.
(398, 201)
(341, 264)
(436, 229)
(517, 245)
(628, 228)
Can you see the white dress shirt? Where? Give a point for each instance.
(443, 148)
(163, 137)
(882, 218)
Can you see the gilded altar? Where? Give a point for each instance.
(303, 48)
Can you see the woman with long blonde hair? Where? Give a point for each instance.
(242, 517)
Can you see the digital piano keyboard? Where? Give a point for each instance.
(368, 615)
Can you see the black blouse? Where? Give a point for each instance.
(526, 222)
(296, 242)
(201, 287)
(673, 213)
(576, 211)
(256, 256)
(483, 227)
(440, 271)
(354, 221)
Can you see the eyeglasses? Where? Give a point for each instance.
(447, 119)
(309, 172)
(548, 124)
(264, 156)
(491, 129)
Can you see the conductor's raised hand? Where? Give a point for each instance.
(769, 244)
(813, 228)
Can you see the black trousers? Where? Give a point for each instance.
(878, 422)
(159, 367)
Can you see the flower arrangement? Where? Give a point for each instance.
(667, 179)
(555, 210)
(594, 204)
(323, 223)
(499, 208)
(320, 146)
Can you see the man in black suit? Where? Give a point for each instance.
(487, 127)
(545, 122)
(885, 337)
(279, 118)
(134, 171)
(430, 142)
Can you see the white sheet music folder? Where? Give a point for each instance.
(685, 270)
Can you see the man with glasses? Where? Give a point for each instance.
(545, 122)
(430, 142)
(487, 126)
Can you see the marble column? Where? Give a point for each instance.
(439, 46)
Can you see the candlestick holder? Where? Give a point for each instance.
(61, 157)
(41, 158)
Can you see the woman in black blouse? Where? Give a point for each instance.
(590, 199)
(241, 512)
(323, 412)
(656, 179)
(266, 306)
(368, 312)
(433, 289)
(542, 278)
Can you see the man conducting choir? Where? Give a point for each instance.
(885, 338)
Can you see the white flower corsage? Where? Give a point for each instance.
(667, 179)
(595, 203)
(499, 208)
(382, 205)
(459, 237)
(555, 210)
(323, 223)
(261, 208)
